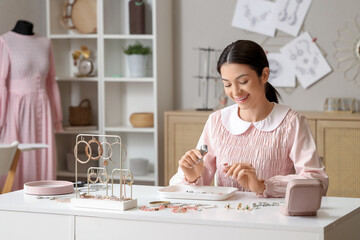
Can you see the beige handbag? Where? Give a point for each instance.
(80, 115)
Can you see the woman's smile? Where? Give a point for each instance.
(241, 99)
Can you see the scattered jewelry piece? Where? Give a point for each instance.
(227, 206)
(239, 206)
(175, 207)
(159, 203)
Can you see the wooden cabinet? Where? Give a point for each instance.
(337, 136)
(113, 93)
(182, 132)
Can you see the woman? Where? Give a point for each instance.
(256, 144)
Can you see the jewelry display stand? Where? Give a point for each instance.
(98, 176)
(207, 63)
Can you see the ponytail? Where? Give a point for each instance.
(271, 93)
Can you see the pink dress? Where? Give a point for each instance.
(280, 148)
(30, 104)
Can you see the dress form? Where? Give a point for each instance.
(23, 27)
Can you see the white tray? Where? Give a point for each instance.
(198, 192)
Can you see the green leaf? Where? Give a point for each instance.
(137, 48)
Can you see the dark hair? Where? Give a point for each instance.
(249, 53)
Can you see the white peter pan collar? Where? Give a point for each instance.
(235, 125)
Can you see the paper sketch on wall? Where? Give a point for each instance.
(281, 75)
(347, 48)
(306, 60)
(290, 15)
(255, 15)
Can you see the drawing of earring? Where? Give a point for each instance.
(292, 56)
(299, 51)
(307, 45)
(283, 14)
(301, 70)
(293, 18)
(92, 177)
(312, 71)
(315, 61)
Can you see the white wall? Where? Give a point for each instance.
(30, 10)
(203, 23)
(208, 23)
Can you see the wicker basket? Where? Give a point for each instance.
(80, 115)
(142, 119)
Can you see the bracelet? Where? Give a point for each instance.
(76, 151)
(100, 149)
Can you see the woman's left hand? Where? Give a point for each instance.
(246, 176)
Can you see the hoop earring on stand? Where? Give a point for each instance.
(110, 149)
(100, 149)
(121, 146)
(76, 151)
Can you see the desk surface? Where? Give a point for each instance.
(333, 211)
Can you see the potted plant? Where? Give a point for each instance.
(137, 59)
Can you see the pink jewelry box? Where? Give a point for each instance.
(303, 197)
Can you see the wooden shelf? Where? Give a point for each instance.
(113, 95)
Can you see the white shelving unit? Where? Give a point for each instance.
(114, 96)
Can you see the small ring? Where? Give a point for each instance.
(92, 173)
(131, 179)
(76, 152)
(100, 149)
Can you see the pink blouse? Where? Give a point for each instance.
(280, 148)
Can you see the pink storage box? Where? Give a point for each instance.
(303, 197)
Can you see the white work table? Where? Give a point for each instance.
(24, 216)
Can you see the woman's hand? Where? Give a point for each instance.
(246, 176)
(191, 166)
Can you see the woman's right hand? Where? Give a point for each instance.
(191, 166)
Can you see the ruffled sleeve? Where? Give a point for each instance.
(306, 161)
(4, 71)
(209, 159)
(54, 94)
